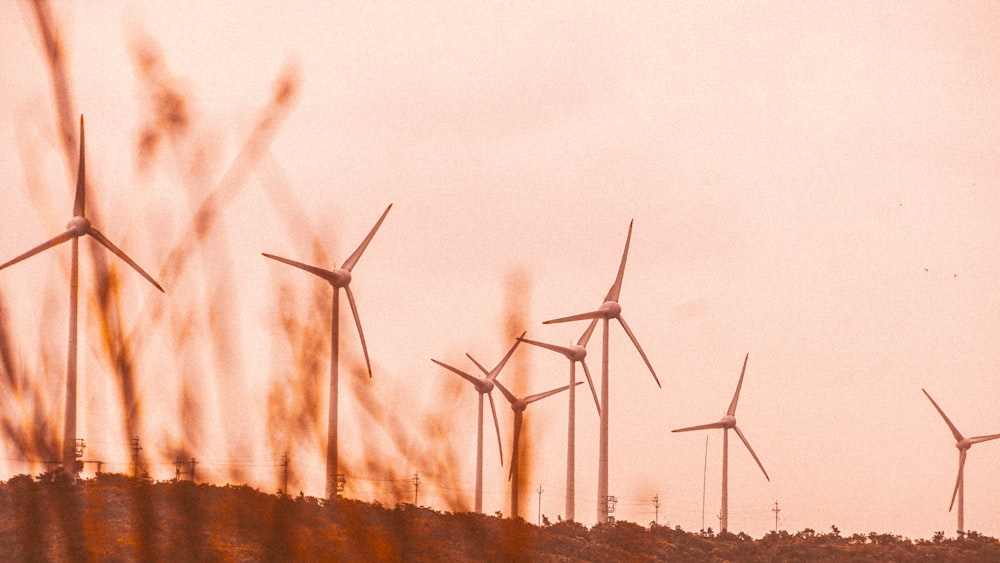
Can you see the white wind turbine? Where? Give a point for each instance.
(608, 310)
(574, 353)
(77, 227)
(484, 385)
(518, 405)
(963, 444)
(729, 421)
(339, 278)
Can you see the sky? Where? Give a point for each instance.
(812, 184)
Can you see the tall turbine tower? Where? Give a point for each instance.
(963, 444)
(608, 310)
(575, 353)
(518, 405)
(484, 385)
(340, 278)
(727, 422)
(77, 227)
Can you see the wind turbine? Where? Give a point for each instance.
(339, 278)
(729, 421)
(518, 405)
(963, 444)
(484, 385)
(574, 353)
(608, 310)
(77, 227)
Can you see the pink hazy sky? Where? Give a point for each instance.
(812, 183)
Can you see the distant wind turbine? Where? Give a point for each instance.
(727, 422)
(575, 353)
(484, 385)
(518, 405)
(77, 227)
(963, 444)
(339, 278)
(608, 310)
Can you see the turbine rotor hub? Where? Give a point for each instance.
(729, 421)
(78, 225)
(610, 309)
(340, 278)
(577, 353)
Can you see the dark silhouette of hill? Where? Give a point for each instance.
(117, 518)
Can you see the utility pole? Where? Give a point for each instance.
(284, 479)
(540, 491)
(178, 472)
(775, 510)
(135, 457)
(416, 487)
(656, 505)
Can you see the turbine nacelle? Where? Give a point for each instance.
(728, 421)
(78, 226)
(964, 444)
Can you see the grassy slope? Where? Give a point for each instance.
(114, 518)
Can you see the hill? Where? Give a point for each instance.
(117, 518)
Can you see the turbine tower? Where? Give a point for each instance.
(339, 278)
(484, 385)
(77, 227)
(518, 405)
(727, 422)
(963, 444)
(608, 310)
(574, 353)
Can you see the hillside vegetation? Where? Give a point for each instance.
(116, 518)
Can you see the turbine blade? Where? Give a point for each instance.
(470, 378)
(518, 417)
(616, 289)
(585, 338)
(954, 431)
(507, 394)
(555, 348)
(747, 444)
(319, 272)
(118, 252)
(478, 365)
(958, 481)
(978, 439)
(580, 317)
(54, 241)
(639, 348)
(496, 424)
(590, 381)
(496, 371)
(353, 258)
(357, 321)
(539, 396)
(80, 201)
(736, 396)
(708, 426)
